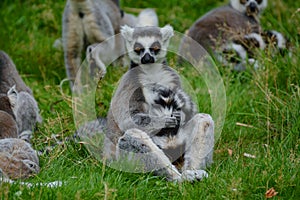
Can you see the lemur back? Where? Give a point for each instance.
(9, 75)
(233, 33)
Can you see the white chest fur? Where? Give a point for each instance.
(155, 73)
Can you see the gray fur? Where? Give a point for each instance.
(91, 129)
(19, 114)
(135, 118)
(5, 105)
(147, 17)
(221, 25)
(18, 159)
(26, 112)
(147, 32)
(9, 75)
(8, 126)
(86, 22)
(100, 56)
(229, 31)
(147, 36)
(17, 101)
(90, 22)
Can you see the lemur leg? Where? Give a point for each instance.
(73, 45)
(136, 146)
(198, 134)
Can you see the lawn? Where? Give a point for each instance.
(262, 116)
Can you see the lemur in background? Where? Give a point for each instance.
(151, 115)
(86, 22)
(17, 159)
(17, 101)
(19, 114)
(90, 22)
(234, 28)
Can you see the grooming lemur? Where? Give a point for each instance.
(234, 28)
(19, 114)
(150, 115)
(16, 100)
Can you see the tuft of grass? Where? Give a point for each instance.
(262, 119)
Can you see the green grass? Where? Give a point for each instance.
(268, 100)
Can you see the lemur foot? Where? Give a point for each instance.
(193, 175)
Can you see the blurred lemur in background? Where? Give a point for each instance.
(19, 114)
(17, 99)
(90, 22)
(233, 33)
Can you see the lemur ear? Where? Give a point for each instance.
(167, 32)
(127, 32)
(264, 5)
(12, 95)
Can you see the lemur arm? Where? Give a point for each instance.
(187, 108)
(149, 123)
(138, 117)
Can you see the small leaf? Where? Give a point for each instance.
(249, 155)
(229, 152)
(271, 193)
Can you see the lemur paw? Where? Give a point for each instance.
(134, 141)
(177, 115)
(193, 175)
(171, 122)
(26, 135)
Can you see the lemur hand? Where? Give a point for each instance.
(177, 115)
(171, 122)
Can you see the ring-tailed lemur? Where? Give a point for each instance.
(99, 56)
(149, 100)
(90, 22)
(86, 22)
(18, 115)
(17, 100)
(233, 28)
(17, 159)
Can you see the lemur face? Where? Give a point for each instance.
(146, 45)
(249, 7)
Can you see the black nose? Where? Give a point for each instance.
(147, 58)
(252, 7)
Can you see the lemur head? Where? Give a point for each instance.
(146, 45)
(249, 7)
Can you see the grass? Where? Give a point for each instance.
(266, 104)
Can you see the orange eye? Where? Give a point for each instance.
(137, 49)
(155, 48)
